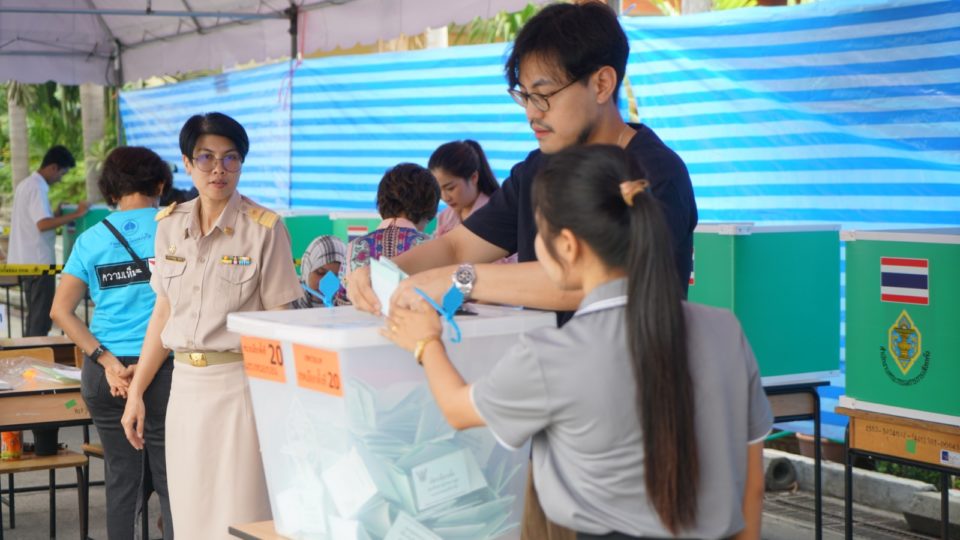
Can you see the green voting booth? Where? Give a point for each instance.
(75, 228)
(903, 323)
(305, 225)
(783, 284)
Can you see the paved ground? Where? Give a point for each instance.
(787, 516)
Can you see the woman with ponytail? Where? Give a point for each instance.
(466, 183)
(465, 178)
(622, 401)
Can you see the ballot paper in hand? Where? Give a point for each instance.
(385, 276)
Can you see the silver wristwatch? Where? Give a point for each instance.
(464, 279)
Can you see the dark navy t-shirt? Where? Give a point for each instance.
(507, 221)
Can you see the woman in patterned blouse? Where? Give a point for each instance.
(407, 200)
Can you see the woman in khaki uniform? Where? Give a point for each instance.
(216, 254)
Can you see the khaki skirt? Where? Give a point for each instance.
(214, 471)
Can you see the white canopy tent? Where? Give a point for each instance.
(110, 42)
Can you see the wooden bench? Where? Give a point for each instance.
(64, 459)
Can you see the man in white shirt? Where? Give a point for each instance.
(33, 234)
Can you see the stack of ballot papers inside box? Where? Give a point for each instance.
(400, 472)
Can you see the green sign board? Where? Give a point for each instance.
(903, 321)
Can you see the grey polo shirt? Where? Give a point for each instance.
(573, 391)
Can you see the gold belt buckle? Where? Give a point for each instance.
(198, 359)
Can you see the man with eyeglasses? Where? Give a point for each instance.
(565, 70)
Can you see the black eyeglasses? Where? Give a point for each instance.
(206, 162)
(540, 101)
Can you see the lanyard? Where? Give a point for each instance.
(601, 305)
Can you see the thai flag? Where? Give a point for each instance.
(356, 231)
(906, 281)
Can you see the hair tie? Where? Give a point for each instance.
(630, 188)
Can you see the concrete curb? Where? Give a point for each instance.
(923, 513)
(873, 489)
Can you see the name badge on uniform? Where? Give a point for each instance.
(174, 258)
(111, 276)
(235, 260)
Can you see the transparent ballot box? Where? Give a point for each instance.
(353, 443)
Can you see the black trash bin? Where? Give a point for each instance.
(45, 442)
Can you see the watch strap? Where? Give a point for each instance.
(95, 355)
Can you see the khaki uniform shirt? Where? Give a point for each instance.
(243, 263)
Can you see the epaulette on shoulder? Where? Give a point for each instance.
(165, 212)
(263, 216)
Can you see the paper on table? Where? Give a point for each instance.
(71, 373)
(62, 375)
(385, 276)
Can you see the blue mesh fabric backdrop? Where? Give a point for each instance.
(843, 111)
(840, 111)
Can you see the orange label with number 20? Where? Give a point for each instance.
(262, 358)
(318, 370)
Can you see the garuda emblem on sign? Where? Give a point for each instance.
(904, 340)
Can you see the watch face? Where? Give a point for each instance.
(465, 275)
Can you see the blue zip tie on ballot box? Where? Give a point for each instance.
(451, 303)
(329, 285)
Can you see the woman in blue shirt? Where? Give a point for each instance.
(114, 265)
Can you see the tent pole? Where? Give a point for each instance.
(118, 71)
(293, 13)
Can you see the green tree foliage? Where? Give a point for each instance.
(501, 27)
(54, 117)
